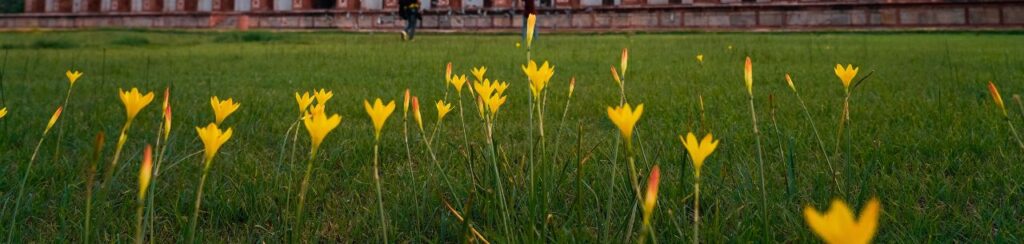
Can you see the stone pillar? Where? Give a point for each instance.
(136, 5)
(204, 5)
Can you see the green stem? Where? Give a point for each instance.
(696, 210)
(303, 188)
(821, 143)
(498, 179)
(380, 198)
(760, 162)
(437, 164)
(21, 189)
(198, 204)
(1015, 135)
(139, 214)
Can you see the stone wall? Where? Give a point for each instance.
(951, 15)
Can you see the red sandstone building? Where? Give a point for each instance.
(504, 14)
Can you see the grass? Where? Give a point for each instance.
(924, 135)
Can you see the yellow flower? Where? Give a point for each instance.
(624, 61)
(995, 97)
(700, 58)
(699, 151)
(379, 114)
(846, 74)
(405, 103)
(494, 103)
(3, 112)
(319, 125)
(478, 72)
(315, 109)
(448, 72)
(303, 101)
(459, 81)
(53, 119)
(134, 101)
(572, 85)
(531, 26)
(416, 115)
(167, 122)
(491, 95)
(222, 109)
(145, 171)
(624, 117)
(838, 226)
(538, 76)
(442, 109)
(789, 81)
(651, 198)
(480, 106)
(73, 76)
(323, 95)
(748, 76)
(212, 138)
(615, 74)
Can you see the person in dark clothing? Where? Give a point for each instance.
(409, 10)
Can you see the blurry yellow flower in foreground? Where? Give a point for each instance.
(53, 119)
(212, 138)
(478, 72)
(442, 109)
(222, 109)
(303, 101)
(748, 76)
(416, 115)
(699, 151)
(995, 97)
(538, 76)
(625, 117)
(73, 76)
(846, 74)
(459, 81)
(145, 171)
(134, 101)
(319, 125)
(531, 27)
(323, 95)
(700, 58)
(838, 225)
(379, 114)
(651, 198)
(3, 112)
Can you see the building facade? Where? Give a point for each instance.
(506, 14)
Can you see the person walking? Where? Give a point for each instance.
(409, 10)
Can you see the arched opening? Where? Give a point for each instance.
(324, 4)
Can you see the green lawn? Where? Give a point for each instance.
(925, 137)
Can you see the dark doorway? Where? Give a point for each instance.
(187, 5)
(91, 6)
(35, 6)
(153, 5)
(607, 2)
(324, 4)
(226, 5)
